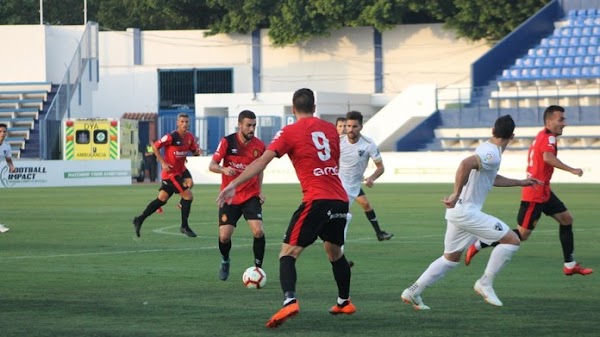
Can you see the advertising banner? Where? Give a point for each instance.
(47, 173)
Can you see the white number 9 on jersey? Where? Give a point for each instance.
(322, 144)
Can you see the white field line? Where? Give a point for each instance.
(364, 240)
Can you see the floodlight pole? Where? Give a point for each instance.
(41, 12)
(85, 12)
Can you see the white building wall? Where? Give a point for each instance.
(61, 43)
(426, 54)
(341, 63)
(23, 56)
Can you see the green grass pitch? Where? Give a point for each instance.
(71, 266)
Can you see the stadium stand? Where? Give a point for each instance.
(21, 105)
(561, 68)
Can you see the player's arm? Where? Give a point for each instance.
(9, 162)
(217, 168)
(460, 179)
(552, 160)
(255, 168)
(261, 196)
(379, 169)
(502, 181)
(161, 160)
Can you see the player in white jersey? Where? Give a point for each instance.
(475, 177)
(5, 153)
(361, 198)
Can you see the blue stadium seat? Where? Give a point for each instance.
(586, 31)
(593, 40)
(581, 12)
(575, 72)
(547, 62)
(572, 13)
(568, 61)
(573, 42)
(546, 73)
(596, 31)
(578, 60)
(584, 41)
(545, 42)
(534, 73)
(591, 50)
(588, 60)
(572, 51)
(591, 12)
(597, 60)
(541, 52)
(566, 31)
(586, 72)
(596, 71)
(597, 21)
(528, 62)
(558, 61)
(564, 41)
(555, 72)
(519, 63)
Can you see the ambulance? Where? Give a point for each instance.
(103, 139)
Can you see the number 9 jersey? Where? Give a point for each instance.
(313, 146)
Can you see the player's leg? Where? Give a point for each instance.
(186, 206)
(228, 218)
(252, 210)
(188, 182)
(527, 218)
(332, 233)
(362, 200)
(164, 193)
(491, 229)
(351, 199)
(301, 232)
(558, 211)
(455, 241)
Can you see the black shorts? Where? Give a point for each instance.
(530, 212)
(230, 214)
(361, 192)
(175, 184)
(325, 219)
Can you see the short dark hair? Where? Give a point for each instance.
(246, 114)
(504, 127)
(304, 100)
(340, 119)
(182, 114)
(550, 111)
(355, 116)
(2, 125)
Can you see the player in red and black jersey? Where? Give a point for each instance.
(236, 152)
(175, 176)
(314, 149)
(535, 200)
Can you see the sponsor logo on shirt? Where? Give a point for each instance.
(498, 227)
(488, 157)
(361, 152)
(326, 171)
(551, 140)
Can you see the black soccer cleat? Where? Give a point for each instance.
(137, 225)
(224, 270)
(188, 231)
(383, 235)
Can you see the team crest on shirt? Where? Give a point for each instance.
(256, 153)
(551, 140)
(224, 218)
(361, 152)
(488, 157)
(498, 227)
(234, 151)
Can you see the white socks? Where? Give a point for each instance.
(499, 258)
(348, 218)
(436, 270)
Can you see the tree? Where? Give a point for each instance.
(476, 20)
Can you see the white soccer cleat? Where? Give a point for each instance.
(3, 229)
(488, 293)
(416, 301)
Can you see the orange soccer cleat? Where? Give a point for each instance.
(472, 251)
(347, 309)
(577, 270)
(290, 310)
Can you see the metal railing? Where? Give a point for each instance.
(50, 125)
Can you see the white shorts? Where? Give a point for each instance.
(464, 227)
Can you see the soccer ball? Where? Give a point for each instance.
(254, 278)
